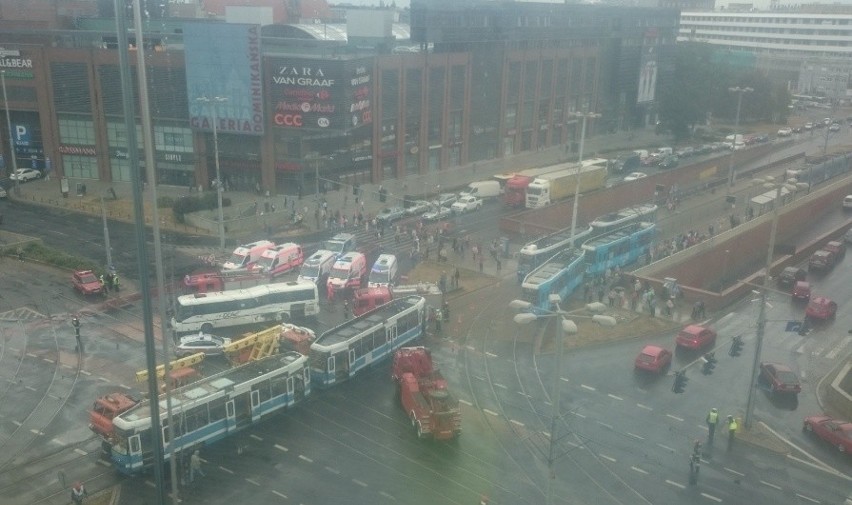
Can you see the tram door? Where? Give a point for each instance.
(255, 404)
(342, 358)
(242, 409)
(390, 337)
(330, 372)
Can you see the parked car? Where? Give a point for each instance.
(683, 152)
(466, 203)
(654, 359)
(25, 174)
(418, 207)
(390, 214)
(669, 162)
(86, 282)
(785, 132)
(651, 160)
(797, 129)
(834, 127)
(802, 291)
(790, 276)
(445, 200)
(822, 260)
(210, 345)
(809, 126)
(695, 336)
(779, 379)
(821, 307)
(834, 431)
(633, 176)
(437, 213)
(837, 247)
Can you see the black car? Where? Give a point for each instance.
(790, 276)
(669, 162)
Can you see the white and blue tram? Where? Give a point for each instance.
(561, 275)
(540, 250)
(211, 409)
(343, 351)
(618, 248)
(616, 220)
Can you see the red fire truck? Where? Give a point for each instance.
(433, 410)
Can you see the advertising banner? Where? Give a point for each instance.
(648, 69)
(223, 66)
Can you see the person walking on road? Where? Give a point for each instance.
(78, 492)
(712, 420)
(195, 466)
(732, 431)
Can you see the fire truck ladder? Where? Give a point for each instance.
(188, 361)
(253, 346)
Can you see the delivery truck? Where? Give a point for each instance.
(555, 186)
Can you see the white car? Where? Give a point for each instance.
(418, 207)
(25, 174)
(635, 176)
(835, 127)
(785, 132)
(466, 203)
(437, 213)
(202, 342)
(847, 202)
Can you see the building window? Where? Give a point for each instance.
(80, 167)
(173, 138)
(77, 132)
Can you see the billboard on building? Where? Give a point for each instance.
(310, 94)
(223, 62)
(648, 69)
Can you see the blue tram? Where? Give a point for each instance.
(618, 248)
(341, 352)
(617, 220)
(542, 249)
(211, 409)
(561, 275)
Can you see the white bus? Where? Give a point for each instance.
(279, 301)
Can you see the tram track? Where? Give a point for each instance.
(5, 350)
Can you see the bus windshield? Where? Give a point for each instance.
(309, 271)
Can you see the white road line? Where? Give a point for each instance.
(590, 388)
(637, 469)
(635, 436)
(675, 484)
(250, 481)
(85, 372)
(518, 423)
(30, 388)
(711, 497)
(819, 464)
(281, 448)
(605, 425)
(490, 354)
(103, 463)
(17, 423)
(470, 348)
(564, 379)
(124, 386)
(35, 432)
(770, 485)
(227, 470)
(360, 483)
(495, 414)
(801, 349)
(81, 452)
(665, 447)
(48, 360)
(57, 441)
(604, 456)
(31, 355)
(581, 416)
(572, 444)
(150, 484)
(501, 386)
(644, 406)
(335, 471)
(615, 397)
(676, 418)
(733, 471)
(479, 378)
(839, 347)
(818, 351)
(807, 498)
(305, 458)
(387, 495)
(469, 404)
(103, 379)
(279, 494)
(256, 437)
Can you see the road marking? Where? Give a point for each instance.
(733, 471)
(256, 437)
(675, 417)
(635, 436)
(387, 495)
(581, 416)
(564, 379)
(281, 448)
(495, 414)
(665, 447)
(770, 485)
(518, 423)
(801, 348)
(470, 348)
(250, 481)
(124, 386)
(150, 484)
(490, 354)
(637, 469)
(605, 425)
(644, 406)
(479, 378)
(469, 404)
(31, 355)
(48, 360)
(807, 498)
(30, 388)
(103, 463)
(36, 432)
(279, 494)
(818, 351)
(57, 441)
(85, 372)
(819, 464)
(335, 471)
(226, 470)
(17, 423)
(604, 456)
(103, 379)
(81, 452)
(305, 458)
(675, 484)
(360, 483)
(711, 497)
(839, 347)
(501, 386)
(702, 427)
(615, 397)
(590, 388)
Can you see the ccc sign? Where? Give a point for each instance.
(288, 119)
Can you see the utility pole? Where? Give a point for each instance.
(11, 134)
(739, 91)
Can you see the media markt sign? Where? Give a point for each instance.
(14, 65)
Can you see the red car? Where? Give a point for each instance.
(86, 282)
(696, 336)
(654, 359)
(802, 291)
(821, 308)
(778, 378)
(834, 431)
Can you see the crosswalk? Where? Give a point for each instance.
(21, 314)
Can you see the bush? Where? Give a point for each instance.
(37, 251)
(187, 204)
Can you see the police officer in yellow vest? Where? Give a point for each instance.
(712, 420)
(732, 430)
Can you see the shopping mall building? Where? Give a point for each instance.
(349, 100)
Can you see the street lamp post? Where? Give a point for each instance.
(576, 204)
(215, 101)
(11, 139)
(739, 91)
(106, 236)
(565, 327)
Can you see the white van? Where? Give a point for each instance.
(484, 189)
(279, 260)
(317, 267)
(348, 272)
(246, 255)
(664, 151)
(643, 153)
(385, 271)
